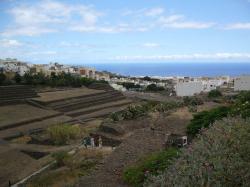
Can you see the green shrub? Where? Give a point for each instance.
(219, 157)
(206, 118)
(214, 94)
(192, 101)
(135, 111)
(61, 134)
(154, 88)
(60, 157)
(150, 165)
(242, 105)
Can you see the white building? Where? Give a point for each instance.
(242, 83)
(13, 65)
(188, 88)
(211, 84)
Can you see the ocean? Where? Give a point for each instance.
(175, 69)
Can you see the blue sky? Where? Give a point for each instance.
(98, 31)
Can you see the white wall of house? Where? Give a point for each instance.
(188, 88)
(211, 84)
(242, 83)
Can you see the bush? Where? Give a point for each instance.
(206, 118)
(214, 94)
(150, 165)
(193, 101)
(61, 134)
(219, 157)
(135, 111)
(242, 105)
(2, 78)
(154, 88)
(60, 158)
(130, 85)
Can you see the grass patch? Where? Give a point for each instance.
(63, 133)
(68, 170)
(153, 164)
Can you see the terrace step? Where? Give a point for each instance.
(31, 128)
(101, 113)
(98, 107)
(100, 86)
(16, 92)
(25, 122)
(93, 102)
(69, 99)
(76, 99)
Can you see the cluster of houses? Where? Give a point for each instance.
(188, 86)
(191, 86)
(16, 66)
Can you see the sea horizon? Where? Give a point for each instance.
(160, 69)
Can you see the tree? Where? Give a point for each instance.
(18, 78)
(147, 78)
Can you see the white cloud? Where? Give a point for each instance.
(10, 43)
(180, 22)
(27, 31)
(170, 19)
(109, 29)
(48, 16)
(238, 26)
(154, 11)
(197, 56)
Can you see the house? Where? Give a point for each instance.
(102, 76)
(87, 72)
(188, 88)
(242, 83)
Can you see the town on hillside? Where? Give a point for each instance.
(178, 85)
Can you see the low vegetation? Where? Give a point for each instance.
(135, 111)
(205, 119)
(219, 157)
(150, 165)
(154, 88)
(68, 170)
(214, 94)
(240, 107)
(130, 85)
(61, 134)
(192, 101)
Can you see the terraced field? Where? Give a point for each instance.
(65, 106)
(25, 112)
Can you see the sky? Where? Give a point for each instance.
(112, 31)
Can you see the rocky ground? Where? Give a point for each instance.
(139, 143)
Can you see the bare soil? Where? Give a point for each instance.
(16, 113)
(64, 94)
